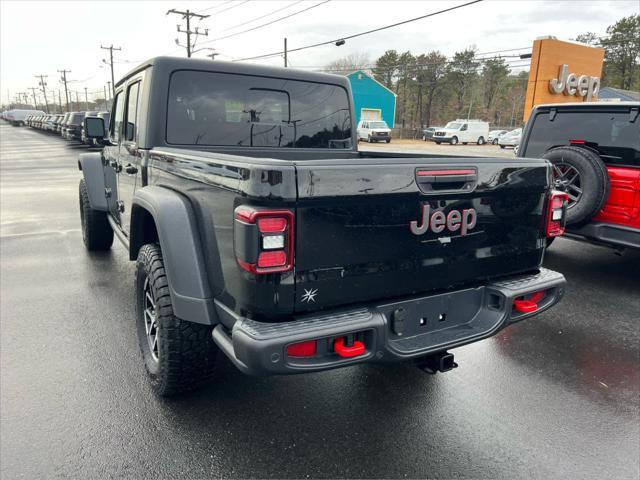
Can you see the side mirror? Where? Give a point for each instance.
(94, 128)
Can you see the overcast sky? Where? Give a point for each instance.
(42, 37)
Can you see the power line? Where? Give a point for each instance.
(63, 79)
(268, 23)
(43, 84)
(263, 16)
(349, 37)
(229, 8)
(186, 15)
(111, 49)
(217, 6)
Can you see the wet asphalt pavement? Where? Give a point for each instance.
(557, 396)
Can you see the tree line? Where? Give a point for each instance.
(433, 89)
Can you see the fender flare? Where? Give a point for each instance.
(91, 166)
(175, 224)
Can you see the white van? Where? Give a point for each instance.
(17, 116)
(463, 130)
(374, 131)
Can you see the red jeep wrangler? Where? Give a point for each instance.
(595, 151)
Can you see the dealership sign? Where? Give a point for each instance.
(571, 84)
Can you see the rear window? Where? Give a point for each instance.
(77, 117)
(615, 137)
(208, 108)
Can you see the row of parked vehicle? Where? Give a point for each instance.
(69, 126)
(472, 131)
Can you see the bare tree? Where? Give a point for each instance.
(350, 63)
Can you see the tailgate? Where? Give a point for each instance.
(375, 229)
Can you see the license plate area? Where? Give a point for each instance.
(432, 314)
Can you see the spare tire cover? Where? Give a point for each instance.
(583, 176)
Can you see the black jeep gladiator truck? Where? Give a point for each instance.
(260, 230)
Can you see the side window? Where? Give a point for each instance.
(132, 111)
(464, 127)
(115, 127)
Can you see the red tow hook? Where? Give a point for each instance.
(530, 305)
(348, 351)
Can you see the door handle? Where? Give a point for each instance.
(445, 178)
(130, 169)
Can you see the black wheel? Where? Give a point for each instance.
(495, 141)
(582, 175)
(178, 355)
(481, 141)
(438, 143)
(97, 234)
(389, 140)
(464, 143)
(454, 141)
(502, 146)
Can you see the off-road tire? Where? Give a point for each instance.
(186, 354)
(97, 233)
(594, 181)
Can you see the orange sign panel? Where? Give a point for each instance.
(562, 72)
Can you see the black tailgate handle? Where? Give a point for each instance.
(446, 179)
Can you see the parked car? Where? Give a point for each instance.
(462, 130)
(374, 131)
(73, 129)
(58, 123)
(493, 136)
(255, 237)
(63, 123)
(427, 133)
(51, 121)
(595, 152)
(17, 117)
(510, 139)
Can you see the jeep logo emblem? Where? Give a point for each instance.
(455, 220)
(572, 84)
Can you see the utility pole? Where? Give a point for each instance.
(186, 15)
(105, 97)
(109, 90)
(63, 79)
(285, 52)
(35, 99)
(43, 84)
(60, 101)
(111, 49)
(86, 99)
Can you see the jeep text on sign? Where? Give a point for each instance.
(550, 82)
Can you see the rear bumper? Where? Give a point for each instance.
(608, 234)
(390, 332)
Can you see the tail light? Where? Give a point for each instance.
(263, 240)
(556, 216)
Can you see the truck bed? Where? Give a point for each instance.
(352, 216)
